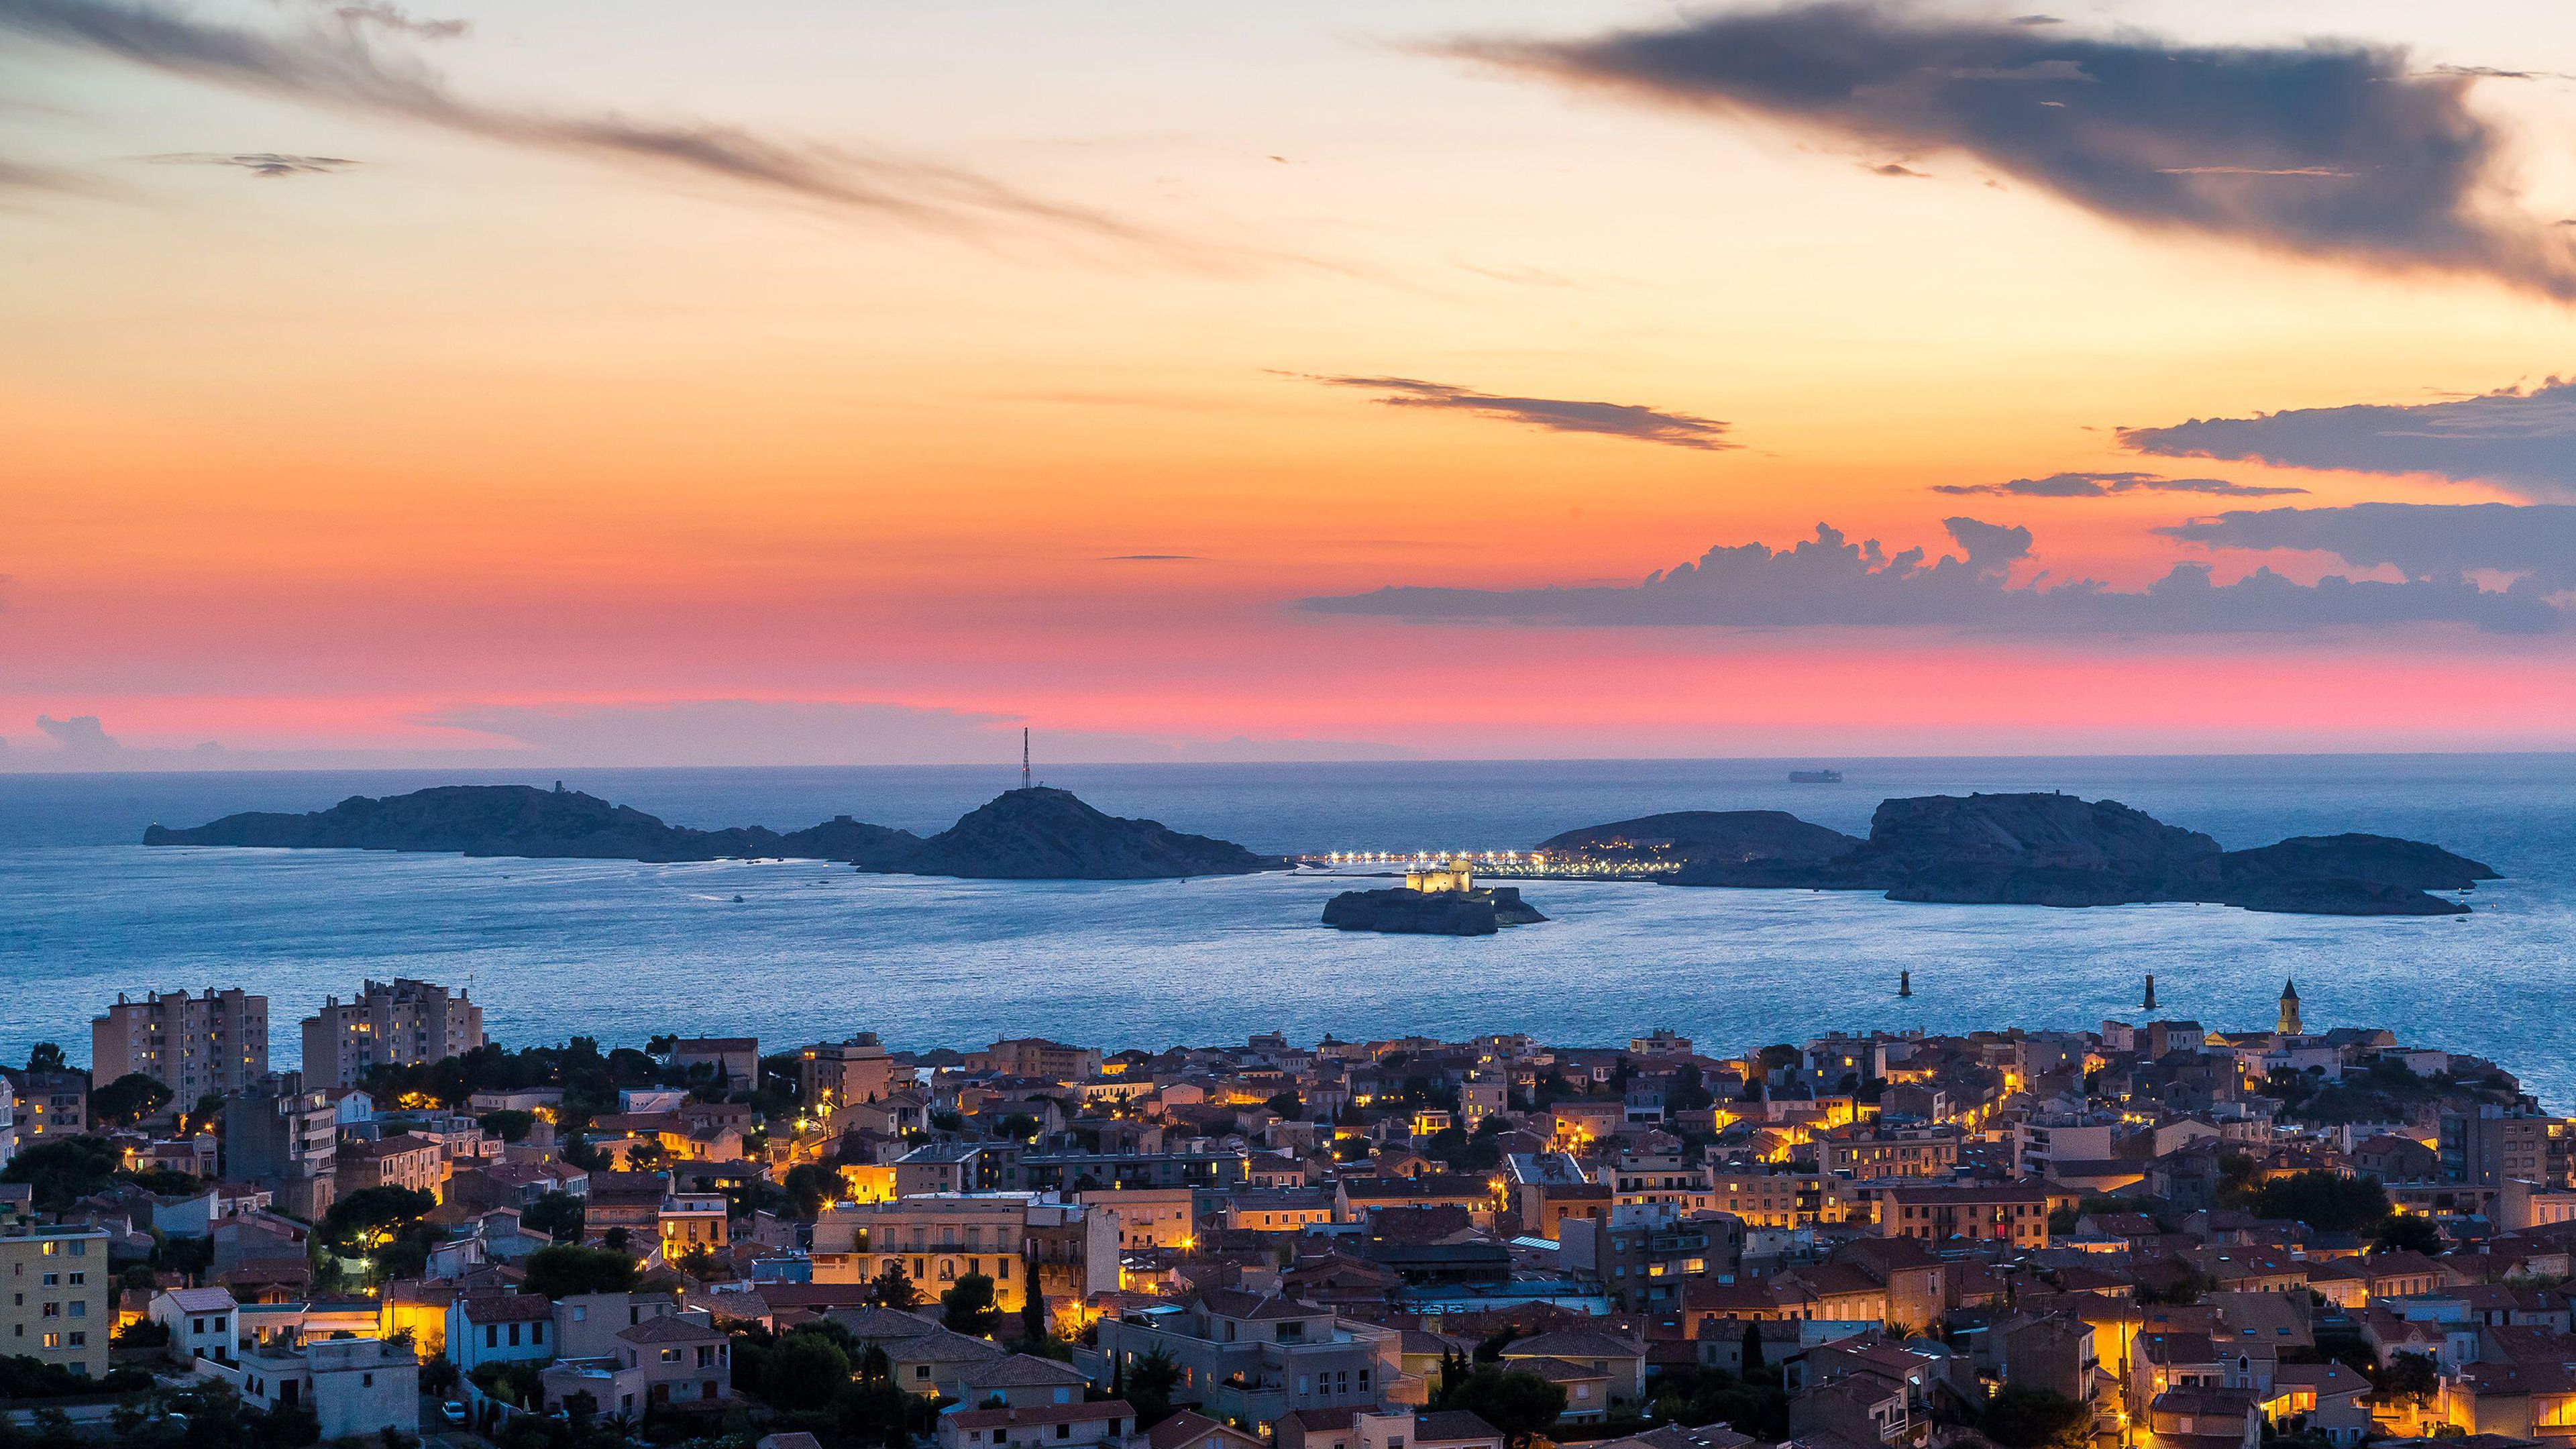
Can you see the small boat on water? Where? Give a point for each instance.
(1815, 777)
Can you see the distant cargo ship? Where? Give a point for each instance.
(1815, 777)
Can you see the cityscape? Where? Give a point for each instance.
(2160, 1232)
(1308, 724)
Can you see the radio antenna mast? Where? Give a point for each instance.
(1024, 757)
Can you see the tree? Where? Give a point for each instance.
(1149, 1388)
(354, 1220)
(45, 1056)
(127, 1100)
(1519, 1404)
(1752, 1361)
(894, 1288)
(1018, 1127)
(2408, 1375)
(2028, 1418)
(63, 1172)
(1035, 1331)
(805, 1371)
(2327, 1201)
(509, 1124)
(874, 1411)
(2407, 1232)
(968, 1306)
(809, 1186)
(567, 1269)
(558, 1215)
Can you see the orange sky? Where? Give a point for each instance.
(312, 462)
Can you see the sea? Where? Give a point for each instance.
(795, 952)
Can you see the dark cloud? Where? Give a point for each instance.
(1891, 168)
(2335, 149)
(2037, 20)
(2103, 485)
(1829, 580)
(259, 163)
(2521, 440)
(1560, 415)
(2438, 542)
(340, 68)
(1150, 558)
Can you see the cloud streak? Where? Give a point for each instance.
(339, 68)
(258, 163)
(2521, 440)
(1830, 581)
(2104, 485)
(2427, 541)
(1556, 415)
(2329, 149)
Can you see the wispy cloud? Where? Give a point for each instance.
(2523, 440)
(340, 67)
(2330, 149)
(1557, 415)
(1830, 581)
(2104, 485)
(401, 21)
(258, 163)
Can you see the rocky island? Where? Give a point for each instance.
(2034, 849)
(1033, 833)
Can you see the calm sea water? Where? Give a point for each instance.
(810, 951)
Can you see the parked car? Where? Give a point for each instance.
(452, 1411)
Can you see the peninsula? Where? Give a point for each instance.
(1033, 833)
(2031, 849)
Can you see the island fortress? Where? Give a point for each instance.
(1455, 874)
(1878, 1240)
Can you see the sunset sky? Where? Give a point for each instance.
(851, 382)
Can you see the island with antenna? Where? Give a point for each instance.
(1031, 833)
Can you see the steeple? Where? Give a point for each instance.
(2289, 1023)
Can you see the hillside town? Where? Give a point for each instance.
(2155, 1234)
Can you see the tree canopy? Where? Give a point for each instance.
(969, 1306)
(127, 1100)
(567, 1269)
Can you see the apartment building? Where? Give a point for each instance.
(1252, 1358)
(400, 1022)
(1865, 1152)
(838, 1074)
(937, 1240)
(2016, 1213)
(2487, 1146)
(406, 1160)
(1035, 1056)
(1151, 1217)
(197, 1046)
(283, 1138)
(54, 1296)
(49, 1103)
